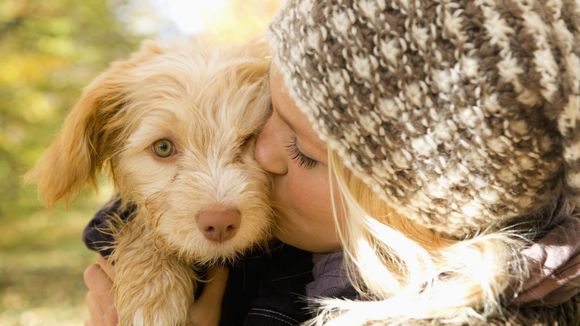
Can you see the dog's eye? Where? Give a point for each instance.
(163, 148)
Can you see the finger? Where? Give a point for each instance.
(564, 294)
(111, 316)
(207, 309)
(100, 315)
(215, 288)
(553, 252)
(95, 310)
(106, 266)
(555, 288)
(553, 299)
(100, 285)
(103, 315)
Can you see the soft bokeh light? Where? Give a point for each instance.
(224, 21)
(193, 16)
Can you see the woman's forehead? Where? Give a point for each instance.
(285, 107)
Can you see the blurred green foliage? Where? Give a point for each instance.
(49, 50)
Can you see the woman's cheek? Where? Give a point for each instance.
(311, 195)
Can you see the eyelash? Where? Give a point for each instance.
(295, 153)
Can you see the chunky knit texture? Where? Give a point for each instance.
(462, 115)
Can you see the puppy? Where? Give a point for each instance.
(175, 129)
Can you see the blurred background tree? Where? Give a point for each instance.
(49, 50)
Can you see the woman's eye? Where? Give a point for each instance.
(163, 148)
(295, 153)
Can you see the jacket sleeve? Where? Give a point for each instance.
(97, 234)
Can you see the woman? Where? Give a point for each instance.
(432, 143)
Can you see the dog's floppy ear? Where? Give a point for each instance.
(89, 135)
(76, 155)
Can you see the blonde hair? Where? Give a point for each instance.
(406, 273)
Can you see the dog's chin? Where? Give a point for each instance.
(220, 252)
(195, 247)
(204, 251)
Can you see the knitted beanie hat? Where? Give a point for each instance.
(462, 115)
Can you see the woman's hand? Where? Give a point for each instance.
(554, 263)
(206, 309)
(100, 299)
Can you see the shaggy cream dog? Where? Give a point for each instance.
(175, 129)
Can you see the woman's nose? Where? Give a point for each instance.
(270, 150)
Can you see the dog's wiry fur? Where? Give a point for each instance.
(210, 104)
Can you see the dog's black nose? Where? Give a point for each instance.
(219, 225)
